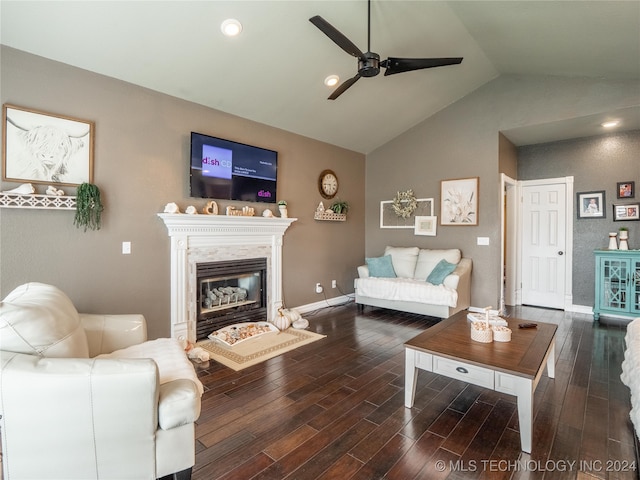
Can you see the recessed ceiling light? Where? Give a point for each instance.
(611, 124)
(331, 80)
(231, 27)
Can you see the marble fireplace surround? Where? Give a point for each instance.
(211, 238)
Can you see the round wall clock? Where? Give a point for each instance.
(328, 184)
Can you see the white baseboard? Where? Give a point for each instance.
(329, 302)
(580, 309)
(336, 301)
(572, 308)
(481, 310)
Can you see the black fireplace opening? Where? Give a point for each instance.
(231, 291)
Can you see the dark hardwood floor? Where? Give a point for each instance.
(334, 409)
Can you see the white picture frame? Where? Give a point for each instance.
(459, 202)
(425, 225)
(389, 219)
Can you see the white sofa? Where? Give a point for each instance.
(87, 397)
(630, 375)
(407, 289)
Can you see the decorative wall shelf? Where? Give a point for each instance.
(51, 202)
(328, 215)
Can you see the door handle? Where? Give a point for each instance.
(560, 252)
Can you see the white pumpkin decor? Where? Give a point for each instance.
(291, 314)
(301, 324)
(281, 321)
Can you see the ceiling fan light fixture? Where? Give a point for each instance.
(369, 63)
(610, 124)
(231, 27)
(331, 80)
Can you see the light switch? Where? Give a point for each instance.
(126, 248)
(483, 240)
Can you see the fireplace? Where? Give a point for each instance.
(215, 240)
(230, 292)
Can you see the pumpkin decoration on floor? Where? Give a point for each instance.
(292, 315)
(286, 317)
(281, 321)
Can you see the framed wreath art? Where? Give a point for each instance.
(404, 204)
(402, 210)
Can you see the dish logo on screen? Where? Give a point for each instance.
(264, 194)
(216, 162)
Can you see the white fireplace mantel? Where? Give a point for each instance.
(196, 238)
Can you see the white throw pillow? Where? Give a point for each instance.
(404, 260)
(39, 319)
(428, 259)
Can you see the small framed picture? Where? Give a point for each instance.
(626, 189)
(46, 148)
(623, 213)
(426, 225)
(591, 204)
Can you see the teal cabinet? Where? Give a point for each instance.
(617, 283)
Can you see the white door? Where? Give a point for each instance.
(544, 245)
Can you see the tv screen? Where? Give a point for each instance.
(227, 170)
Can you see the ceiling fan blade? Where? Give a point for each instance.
(342, 88)
(339, 39)
(400, 65)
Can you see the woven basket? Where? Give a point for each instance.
(501, 334)
(480, 333)
(330, 215)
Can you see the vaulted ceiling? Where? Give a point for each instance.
(273, 72)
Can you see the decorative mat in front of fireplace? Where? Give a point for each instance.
(229, 292)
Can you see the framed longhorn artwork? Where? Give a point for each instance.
(46, 148)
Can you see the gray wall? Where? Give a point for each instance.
(141, 163)
(462, 141)
(596, 163)
(141, 154)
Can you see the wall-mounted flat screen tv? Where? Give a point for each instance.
(226, 170)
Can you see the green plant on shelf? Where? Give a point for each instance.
(88, 207)
(339, 207)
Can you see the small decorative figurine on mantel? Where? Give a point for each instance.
(282, 206)
(211, 208)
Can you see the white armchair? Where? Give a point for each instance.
(87, 397)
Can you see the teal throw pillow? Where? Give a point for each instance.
(440, 272)
(381, 267)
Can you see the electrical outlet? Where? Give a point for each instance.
(126, 248)
(319, 288)
(333, 284)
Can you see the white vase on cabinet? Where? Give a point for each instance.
(624, 236)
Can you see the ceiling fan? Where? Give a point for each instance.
(369, 62)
